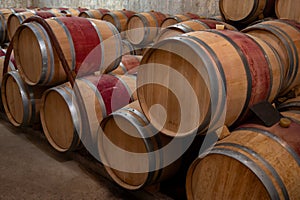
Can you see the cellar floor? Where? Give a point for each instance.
(31, 169)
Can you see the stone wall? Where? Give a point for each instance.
(201, 7)
(15, 3)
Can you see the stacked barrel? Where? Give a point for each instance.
(138, 89)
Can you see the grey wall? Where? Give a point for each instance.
(201, 7)
(15, 3)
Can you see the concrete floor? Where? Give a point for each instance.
(31, 169)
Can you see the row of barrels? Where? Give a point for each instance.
(265, 59)
(253, 162)
(186, 85)
(194, 84)
(243, 13)
(18, 15)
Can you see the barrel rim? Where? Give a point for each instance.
(73, 113)
(182, 40)
(148, 147)
(42, 52)
(244, 19)
(27, 106)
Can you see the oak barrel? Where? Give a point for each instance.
(144, 27)
(16, 19)
(73, 11)
(128, 65)
(4, 14)
(287, 9)
(190, 26)
(119, 18)
(200, 75)
(175, 19)
(21, 102)
(94, 13)
(97, 46)
(131, 149)
(247, 11)
(63, 118)
(283, 36)
(254, 162)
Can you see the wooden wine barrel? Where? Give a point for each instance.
(62, 116)
(94, 13)
(143, 28)
(175, 19)
(190, 71)
(128, 65)
(190, 26)
(21, 102)
(254, 162)
(74, 11)
(97, 46)
(4, 14)
(16, 19)
(282, 35)
(129, 130)
(245, 12)
(119, 18)
(287, 9)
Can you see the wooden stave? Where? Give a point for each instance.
(118, 18)
(30, 100)
(279, 185)
(18, 19)
(152, 140)
(52, 73)
(73, 11)
(151, 26)
(204, 123)
(4, 15)
(291, 8)
(279, 28)
(174, 20)
(261, 9)
(102, 109)
(94, 13)
(190, 26)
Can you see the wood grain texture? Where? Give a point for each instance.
(245, 12)
(129, 131)
(283, 36)
(84, 50)
(144, 27)
(226, 172)
(287, 9)
(100, 96)
(119, 18)
(94, 13)
(21, 102)
(16, 19)
(189, 71)
(190, 26)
